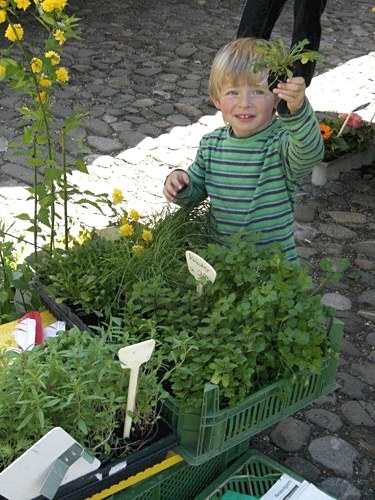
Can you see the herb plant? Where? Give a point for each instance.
(75, 381)
(95, 277)
(278, 59)
(256, 323)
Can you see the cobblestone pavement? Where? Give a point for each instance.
(141, 73)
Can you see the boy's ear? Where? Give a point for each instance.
(216, 102)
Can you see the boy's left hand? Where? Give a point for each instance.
(292, 92)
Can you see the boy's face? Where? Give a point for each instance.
(247, 109)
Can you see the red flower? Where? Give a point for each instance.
(354, 121)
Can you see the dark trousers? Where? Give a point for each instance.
(259, 18)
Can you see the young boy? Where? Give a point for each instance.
(250, 168)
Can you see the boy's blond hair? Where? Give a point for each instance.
(232, 64)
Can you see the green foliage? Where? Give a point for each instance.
(255, 325)
(278, 59)
(15, 275)
(96, 276)
(74, 381)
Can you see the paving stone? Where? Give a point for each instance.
(290, 434)
(334, 453)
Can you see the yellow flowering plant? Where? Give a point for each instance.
(344, 134)
(35, 70)
(127, 224)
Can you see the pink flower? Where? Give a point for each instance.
(354, 121)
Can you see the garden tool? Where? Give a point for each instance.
(132, 357)
(200, 269)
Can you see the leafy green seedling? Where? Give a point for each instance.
(200, 269)
(132, 357)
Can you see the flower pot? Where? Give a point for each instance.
(331, 170)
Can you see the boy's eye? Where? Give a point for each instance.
(232, 92)
(258, 92)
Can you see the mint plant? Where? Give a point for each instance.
(256, 324)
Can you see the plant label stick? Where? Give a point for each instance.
(200, 269)
(132, 357)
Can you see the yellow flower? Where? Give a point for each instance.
(126, 230)
(3, 4)
(42, 96)
(14, 32)
(117, 196)
(373, 9)
(304, 60)
(2, 70)
(54, 57)
(51, 5)
(147, 235)
(62, 75)
(137, 249)
(44, 81)
(22, 4)
(59, 36)
(134, 215)
(3, 16)
(36, 65)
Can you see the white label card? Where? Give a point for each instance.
(200, 268)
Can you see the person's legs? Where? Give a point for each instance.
(306, 24)
(259, 18)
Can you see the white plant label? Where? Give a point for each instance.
(199, 268)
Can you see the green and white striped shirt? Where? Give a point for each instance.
(251, 182)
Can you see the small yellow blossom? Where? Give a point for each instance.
(126, 230)
(44, 81)
(23, 4)
(2, 70)
(3, 16)
(51, 5)
(134, 215)
(373, 9)
(3, 4)
(14, 32)
(59, 37)
(42, 96)
(147, 235)
(137, 249)
(117, 196)
(36, 65)
(62, 75)
(53, 56)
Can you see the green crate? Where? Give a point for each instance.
(181, 481)
(253, 474)
(211, 430)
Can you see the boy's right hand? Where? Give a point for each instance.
(175, 181)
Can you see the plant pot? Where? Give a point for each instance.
(61, 311)
(106, 476)
(331, 170)
(209, 431)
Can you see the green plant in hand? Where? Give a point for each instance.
(278, 59)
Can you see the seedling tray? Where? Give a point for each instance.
(210, 431)
(61, 311)
(181, 481)
(109, 475)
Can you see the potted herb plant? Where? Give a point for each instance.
(75, 381)
(255, 345)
